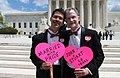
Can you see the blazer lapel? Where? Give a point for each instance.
(82, 36)
(45, 36)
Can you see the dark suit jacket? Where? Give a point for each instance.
(95, 45)
(36, 39)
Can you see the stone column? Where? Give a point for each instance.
(57, 3)
(105, 16)
(73, 3)
(89, 12)
(65, 4)
(82, 12)
(49, 12)
(97, 15)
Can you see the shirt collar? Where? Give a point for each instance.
(52, 31)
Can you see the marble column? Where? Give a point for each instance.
(49, 12)
(57, 3)
(82, 12)
(73, 3)
(65, 4)
(89, 12)
(97, 15)
(105, 16)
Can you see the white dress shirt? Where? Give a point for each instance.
(75, 41)
(52, 40)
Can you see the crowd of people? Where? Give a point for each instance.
(107, 35)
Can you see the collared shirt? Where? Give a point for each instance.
(75, 41)
(52, 40)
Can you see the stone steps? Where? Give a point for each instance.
(14, 57)
(16, 73)
(109, 74)
(15, 62)
(113, 55)
(14, 52)
(111, 60)
(12, 47)
(111, 49)
(110, 67)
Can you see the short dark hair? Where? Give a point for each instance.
(61, 10)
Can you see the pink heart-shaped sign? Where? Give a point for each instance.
(78, 58)
(49, 53)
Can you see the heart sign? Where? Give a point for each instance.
(49, 53)
(78, 58)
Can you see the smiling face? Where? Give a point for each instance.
(72, 19)
(57, 20)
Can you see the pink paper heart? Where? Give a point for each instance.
(78, 58)
(49, 53)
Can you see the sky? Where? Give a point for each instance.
(7, 6)
(10, 6)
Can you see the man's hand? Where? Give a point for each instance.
(81, 72)
(46, 65)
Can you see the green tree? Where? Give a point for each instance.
(1, 18)
(8, 30)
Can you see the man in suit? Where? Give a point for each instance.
(80, 36)
(51, 35)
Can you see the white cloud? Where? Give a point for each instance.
(40, 2)
(110, 4)
(5, 7)
(24, 1)
(113, 5)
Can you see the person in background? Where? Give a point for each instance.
(103, 36)
(51, 35)
(110, 34)
(100, 35)
(106, 34)
(79, 36)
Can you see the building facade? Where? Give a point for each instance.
(92, 12)
(113, 21)
(113, 18)
(27, 23)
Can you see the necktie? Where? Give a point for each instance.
(76, 32)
